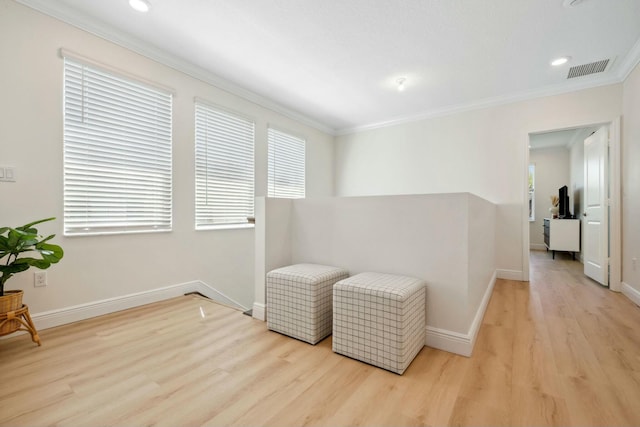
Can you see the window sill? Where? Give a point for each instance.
(224, 227)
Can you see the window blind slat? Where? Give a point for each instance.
(117, 153)
(224, 167)
(286, 165)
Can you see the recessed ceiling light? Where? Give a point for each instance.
(400, 82)
(140, 5)
(559, 61)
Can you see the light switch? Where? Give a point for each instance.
(7, 174)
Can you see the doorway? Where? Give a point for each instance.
(567, 144)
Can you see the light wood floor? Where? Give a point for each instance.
(558, 351)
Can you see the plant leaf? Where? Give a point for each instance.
(33, 262)
(19, 240)
(26, 226)
(46, 239)
(13, 268)
(54, 253)
(4, 243)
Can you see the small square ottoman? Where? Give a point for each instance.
(299, 300)
(379, 319)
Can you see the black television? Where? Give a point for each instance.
(563, 195)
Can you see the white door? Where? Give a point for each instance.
(595, 251)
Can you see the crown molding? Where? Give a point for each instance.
(98, 28)
(94, 26)
(485, 103)
(630, 61)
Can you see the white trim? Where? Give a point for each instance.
(259, 311)
(486, 103)
(94, 26)
(510, 274)
(456, 342)
(63, 316)
(630, 61)
(615, 238)
(537, 247)
(477, 320)
(217, 296)
(224, 108)
(102, 30)
(526, 225)
(631, 293)
(453, 342)
(615, 199)
(66, 53)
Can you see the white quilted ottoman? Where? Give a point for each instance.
(299, 300)
(379, 319)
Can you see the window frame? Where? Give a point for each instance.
(532, 192)
(272, 176)
(201, 104)
(118, 172)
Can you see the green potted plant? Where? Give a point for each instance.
(17, 247)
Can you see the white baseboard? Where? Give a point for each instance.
(217, 296)
(50, 319)
(477, 320)
(455, 342)
(259, 311)
(631, 293)
(509, 274)
(450, 341)
(537, 246)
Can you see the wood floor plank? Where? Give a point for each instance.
(560, 350)
(533, 364)
(530, 407)
(436, 378)
(469, 412)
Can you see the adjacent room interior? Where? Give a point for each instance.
(188, 149)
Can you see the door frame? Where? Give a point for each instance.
(615, 212)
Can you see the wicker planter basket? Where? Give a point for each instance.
(11, 301)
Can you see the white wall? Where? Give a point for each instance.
(96, 268)
(408, 235)
(481, 252)
(552, 172)
(631, 186)
(447, 240)
(481, 151)
(273, 244)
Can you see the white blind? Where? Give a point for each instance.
(224, 168)
(286, 165)
(117, 153)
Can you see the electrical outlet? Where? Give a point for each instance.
(634, 262)
(39, 279)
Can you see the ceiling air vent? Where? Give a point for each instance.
(586, 69)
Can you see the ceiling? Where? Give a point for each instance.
(333, 64)
(561, 138)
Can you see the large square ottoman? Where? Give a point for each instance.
(299, 300)
(379, 319)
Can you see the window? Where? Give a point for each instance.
(224, 168)
(117, 153)
(286, 165)
(532, 192)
